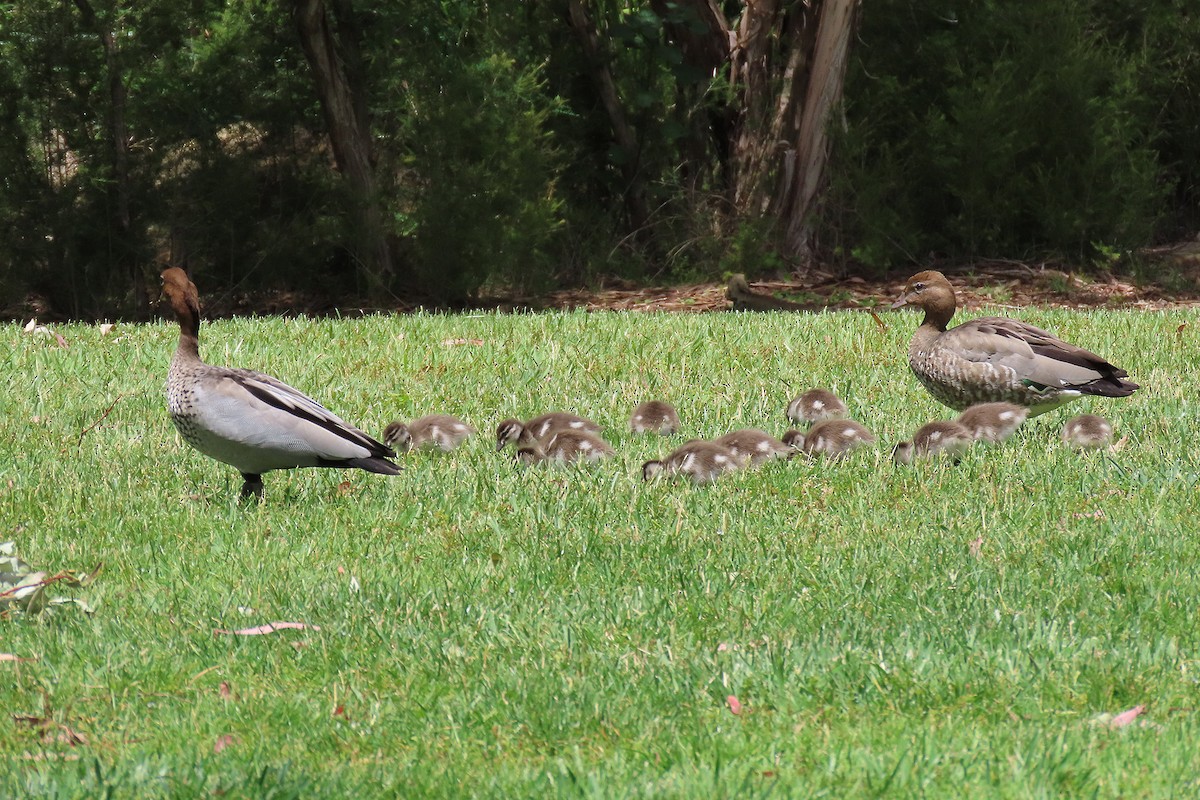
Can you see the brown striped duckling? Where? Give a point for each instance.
(565, 446)
(835, 438)
(755, 447)
(1087, 432)
(536, 429)
(998, 359)
(440, 431)
(249, 420)
(941, 437)
(654, 416)
(816, 405)
(699, 460)
(993, 422)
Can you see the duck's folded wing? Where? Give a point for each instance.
(328, 433)
(1034, 355)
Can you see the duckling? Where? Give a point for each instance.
(512, 430)
(1087, 432)
(993, 422)
(997, 358)
(570, 444)
(440, 431)
(835, 438)
(700, 460)
(816, 405)
(654, 416)
(939, 437)
(754, 446)
(249, 420)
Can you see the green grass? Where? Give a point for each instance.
(559, 632)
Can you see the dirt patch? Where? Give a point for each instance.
(1007, 284)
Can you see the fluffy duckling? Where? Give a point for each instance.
(249, 420)
(440, 431)
(564, 445)
(997, 358)
(1087, 432)
(993, 422)
(699, 460)
(654, 416)
(835, 438)
(754, 446)
(935, 438)
(513, 430)
(816, 405)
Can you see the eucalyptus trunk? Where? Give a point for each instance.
(336, 63)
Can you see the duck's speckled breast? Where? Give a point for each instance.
(958, 382)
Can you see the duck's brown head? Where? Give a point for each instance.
(507, 431)
(181, 293)
(397, 436)
(929, 290)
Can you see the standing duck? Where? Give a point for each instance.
(934, 438)
(816, 405)
(513, 430)
(1087, 432)
(993, 422)
(754, 446)
(998, 359)
(654, 416)
(249, 420)
(835, 438)
(440, 431)
(700, 460)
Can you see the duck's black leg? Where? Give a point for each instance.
(253, 486)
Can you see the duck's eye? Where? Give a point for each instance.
(918, 287)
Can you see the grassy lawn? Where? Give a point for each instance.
(498, 632)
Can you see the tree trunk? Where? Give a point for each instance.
(787, 67)
(623, 132)
(123, 250)
(339, 81)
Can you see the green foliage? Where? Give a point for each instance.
(484, 202)
(989, 132)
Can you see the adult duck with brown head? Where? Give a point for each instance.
(251, 421)
(997, 359)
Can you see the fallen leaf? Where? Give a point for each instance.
(31, 326)
(270, 627)
(58, 337)
(11, 657)
(340, 711)
(722, 647)
(1126, 717)
(345, 488)
(64, 735)
(222, 742)
(976, 547)
(106, 328)
(457, 342)
(735, 705)
(341, 570)
(882, 325)
(224, 690)
(1179, 330)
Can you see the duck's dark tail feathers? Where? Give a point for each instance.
(1109, 386)
(380, 466)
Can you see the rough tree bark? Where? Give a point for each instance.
(339, 82)
(623, 132)
(124, 249)
(787, 66)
